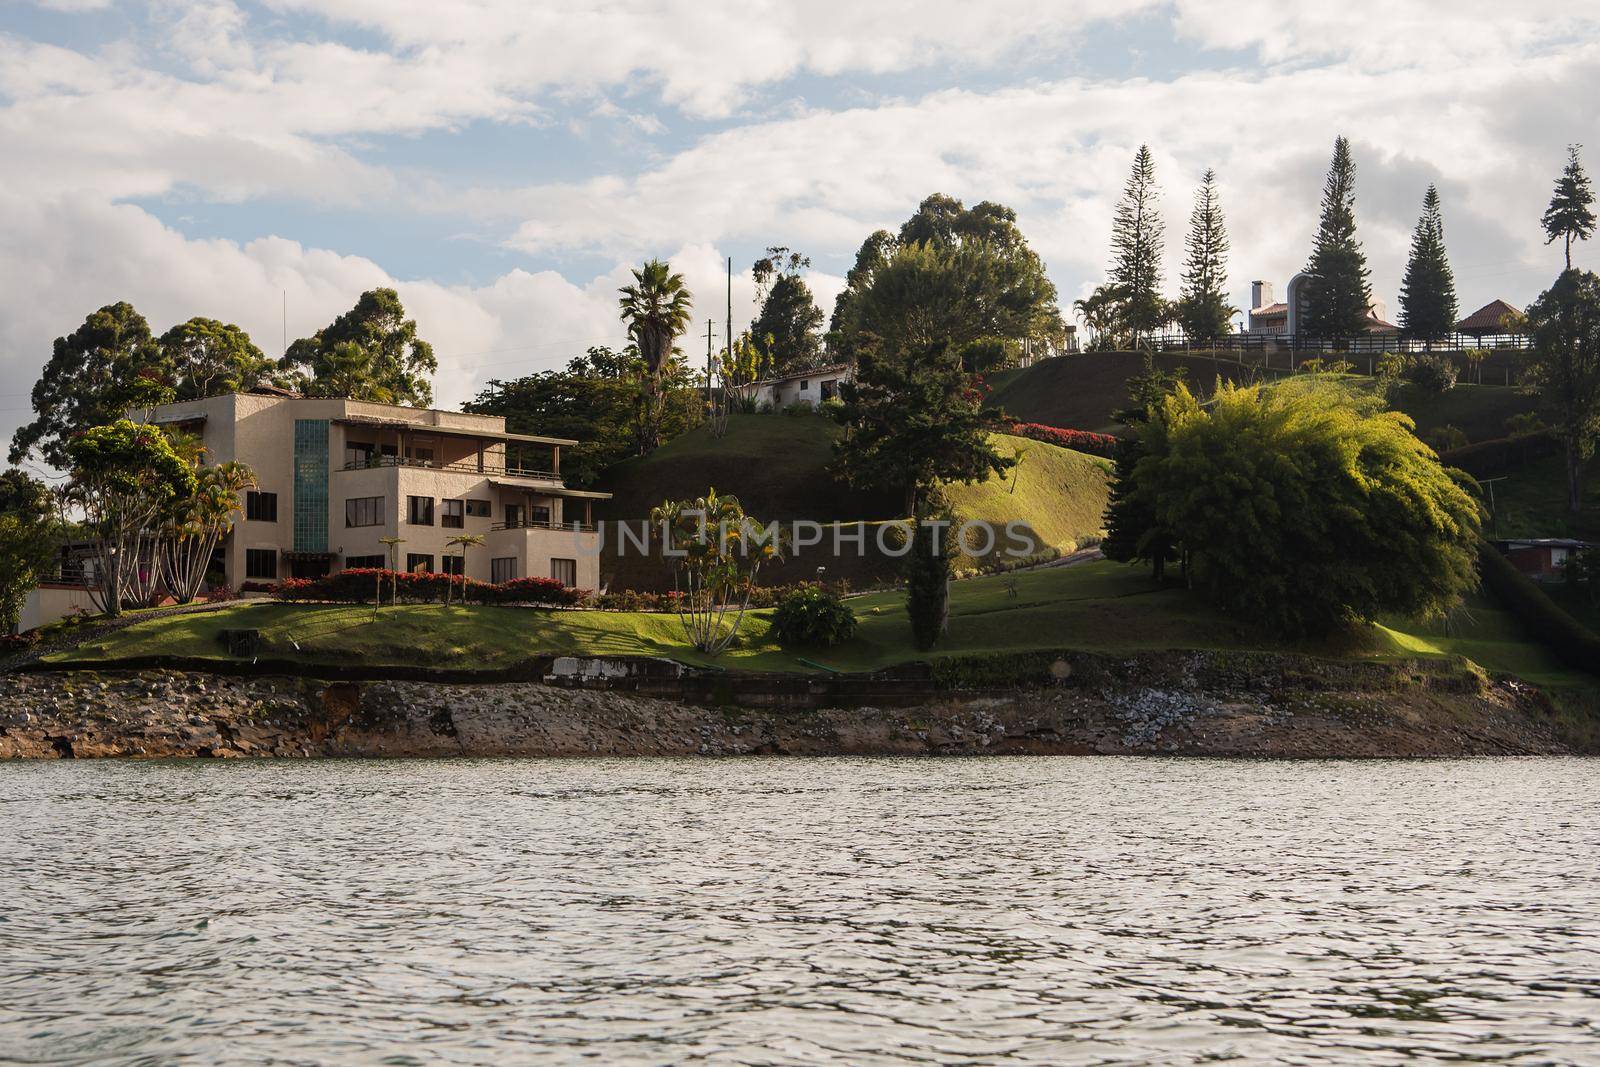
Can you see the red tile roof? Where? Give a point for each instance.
(1487, 318)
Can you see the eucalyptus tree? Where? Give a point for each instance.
(371, 352)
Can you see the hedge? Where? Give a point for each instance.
(1572, 642)
(1487, 459)
(1095, 444)
(358, 585)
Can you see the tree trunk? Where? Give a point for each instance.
(1574, 477)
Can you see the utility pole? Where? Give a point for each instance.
(708, 365)
(730, 306)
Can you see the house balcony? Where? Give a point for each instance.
(469, 466)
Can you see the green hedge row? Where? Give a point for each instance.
(1572, 642)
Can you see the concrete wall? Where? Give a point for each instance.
(52, 601)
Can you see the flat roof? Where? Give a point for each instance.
(450, 431)
(558, 490)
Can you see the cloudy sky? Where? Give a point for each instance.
(502, 162)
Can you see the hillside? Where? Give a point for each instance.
(777, 466)
(1083, 392)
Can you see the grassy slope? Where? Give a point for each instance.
(1099, 606)
(777, 466)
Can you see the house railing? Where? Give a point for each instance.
(466, 466)
(542, 524)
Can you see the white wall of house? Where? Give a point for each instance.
(51, 601)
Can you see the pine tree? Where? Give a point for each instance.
(1338, 297)
(1569, 214)
(1428, 294)
(1136, 247)
(1204, 311)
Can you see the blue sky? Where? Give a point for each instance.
(502, 162)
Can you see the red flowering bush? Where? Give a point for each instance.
(1095, 444)
(359, 584)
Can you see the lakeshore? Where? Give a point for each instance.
(1185, 704)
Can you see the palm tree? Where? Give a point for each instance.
(461, 541)
(656, 309)
(199, 523)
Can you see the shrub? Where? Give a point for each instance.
(1392, 366)
(534, 591)
(1433, 374)
(1303, 505)
(1095, 444)
(1572, 642)
(832, 408)
(812, 615)
(1444, 438)
(799, 407)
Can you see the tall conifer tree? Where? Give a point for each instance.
(1428, 308)
(1203, 310)
(1571, 212)
(1338, 296)
(1137, 236)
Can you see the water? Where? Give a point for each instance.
(1072, 910)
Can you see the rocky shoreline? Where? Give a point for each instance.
(1172, 704)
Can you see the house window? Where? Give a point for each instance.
(539, 515)
(503, 570)
(804, 385)
(261, 507)
(513, 516)
(357, 454)
(453, 514)
(356, 563)
(260, 563)
(479, 509)
(452, 565)
(363, 511)
(419, 510)
(417, 563)
(564, 571)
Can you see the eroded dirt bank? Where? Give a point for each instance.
(1182, 705)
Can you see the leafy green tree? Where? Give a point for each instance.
(1019, 300)
(210, 358)
(596, 401)
(371, 352)
(926, 294)
(1302, 506)
(913, 415)
(1570, 215)
(1564, 365)
(96, 374)
(1338, 296)
(29, 539)
(1138, 238)
(1203, 309)
(1133, 531)
(656, 309)
(844, 332)
(127, 477)
(1428, 308)
(787, 330)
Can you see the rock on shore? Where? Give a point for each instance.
(176, 714)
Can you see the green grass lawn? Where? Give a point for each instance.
(1100, 606)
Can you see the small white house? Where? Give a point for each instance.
(811, 386)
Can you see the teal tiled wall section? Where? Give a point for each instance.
(311, 485)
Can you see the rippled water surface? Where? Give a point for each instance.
(1056, 911)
